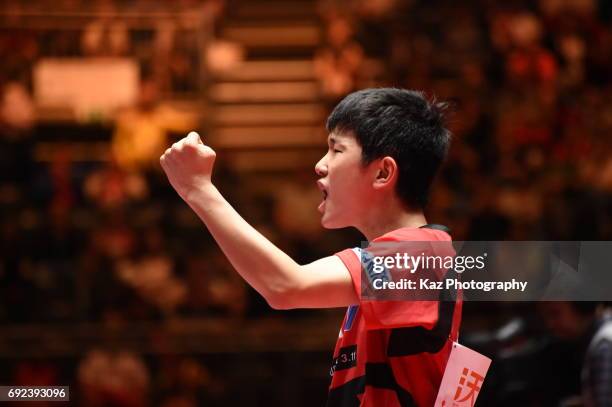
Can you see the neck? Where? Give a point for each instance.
(389, 218)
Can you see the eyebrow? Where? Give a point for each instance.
(334, 140)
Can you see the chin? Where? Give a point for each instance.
(327, 225)
(328, 222)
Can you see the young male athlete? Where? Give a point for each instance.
(384, 149)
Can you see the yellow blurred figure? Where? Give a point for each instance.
(141, 133)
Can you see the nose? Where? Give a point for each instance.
(321, 167)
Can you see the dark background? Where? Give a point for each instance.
(110, 284)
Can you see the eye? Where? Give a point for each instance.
(337, 151)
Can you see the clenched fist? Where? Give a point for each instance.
(188, 165)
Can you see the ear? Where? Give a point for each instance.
(386, 173)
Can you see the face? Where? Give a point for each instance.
(344, 182)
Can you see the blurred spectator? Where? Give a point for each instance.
(585, 328)
(111, 187)
(17, 112)
(104, 37)
(151, 274)
(214, 287)
(141, 134)
(17, 119)
(338, 64)
(597, 367)
(109, 378)
(223, 55)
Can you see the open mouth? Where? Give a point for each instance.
(324, 193)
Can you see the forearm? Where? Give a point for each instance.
(285, 284)
(263, 265)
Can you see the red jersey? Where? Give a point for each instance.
(392, 353)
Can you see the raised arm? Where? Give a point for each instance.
(285, 284)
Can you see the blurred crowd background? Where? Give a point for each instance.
(110, 284)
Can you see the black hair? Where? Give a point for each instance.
(402, 124)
